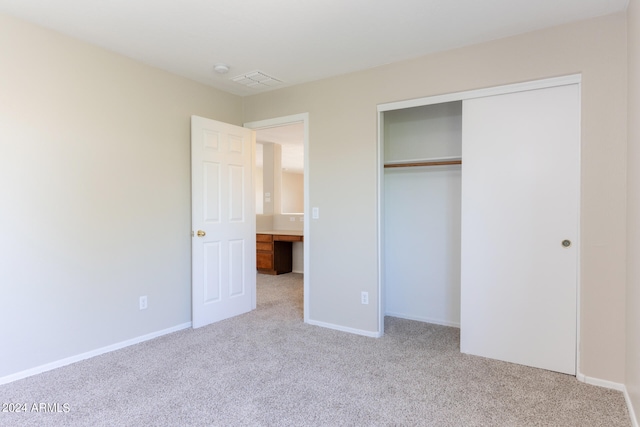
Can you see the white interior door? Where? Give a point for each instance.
(223, 221)
(520, 200)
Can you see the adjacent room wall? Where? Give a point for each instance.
(94, 195)
(292, 192)
(343, 168)
(633, 194)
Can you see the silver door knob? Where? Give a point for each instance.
(566, 243)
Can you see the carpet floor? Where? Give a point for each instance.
(268, 368)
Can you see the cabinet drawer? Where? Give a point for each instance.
(264, 238)
(264, 247)
(264, 261)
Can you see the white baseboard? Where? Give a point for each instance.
(632, 413)
(601, 383)
(425, 319)
(613, 386)
(97, 352)
(376, 334)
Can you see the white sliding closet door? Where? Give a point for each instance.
(520, 196)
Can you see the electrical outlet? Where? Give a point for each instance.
(143, 302)
(292, 218)
(364, 297)
(315, 213)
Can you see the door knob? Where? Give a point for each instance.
(566, 243)
(201, 233)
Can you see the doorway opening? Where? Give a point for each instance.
(282, 196)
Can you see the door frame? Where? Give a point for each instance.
(282, 121)
(461, 96)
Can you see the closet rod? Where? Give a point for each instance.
(425, 163)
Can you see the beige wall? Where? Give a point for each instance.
(343, 167)
(633, 218)
(94, 195)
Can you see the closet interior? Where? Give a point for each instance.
(493, 252)
(422, 199)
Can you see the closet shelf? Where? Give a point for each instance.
(432, 162)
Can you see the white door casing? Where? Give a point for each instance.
(223, 213)
(520, 201)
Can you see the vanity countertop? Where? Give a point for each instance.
(282, 232)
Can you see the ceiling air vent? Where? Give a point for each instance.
(257, 80)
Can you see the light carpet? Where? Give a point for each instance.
(268, 368)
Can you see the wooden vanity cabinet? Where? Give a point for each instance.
(274, 253)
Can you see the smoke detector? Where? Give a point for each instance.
(221, 69)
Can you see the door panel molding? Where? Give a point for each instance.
(223, 221)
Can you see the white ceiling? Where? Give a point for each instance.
(295, 41)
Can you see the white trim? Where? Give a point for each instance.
(425, 320)
(371, 334)
(380, 223)
(599, 382)
(306, 251)
(480, 93)
(579, 233)
(632, 413)
(613, 386)
(277, 121)
(89, 354)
